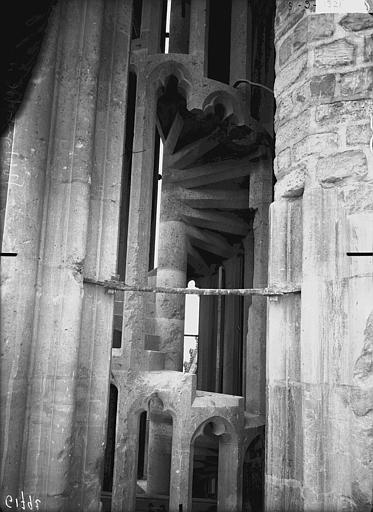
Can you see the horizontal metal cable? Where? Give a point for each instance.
(268, 292)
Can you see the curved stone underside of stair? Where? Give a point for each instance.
(210, 176)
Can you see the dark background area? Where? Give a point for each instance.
(22, 27)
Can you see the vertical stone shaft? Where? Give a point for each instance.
(284, 444)
(151, 25)
(229, 477)
(322, 146)
(179, 26)
(171, 271)
(96, 332)
(22, 229)
(182, 471)
(6, 143)
(54, 357)
(159, 453)
(139, 224)
(260, 199)
(198, 30)
(240, 59)
(126, 448)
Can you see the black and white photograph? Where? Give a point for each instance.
(186, 222)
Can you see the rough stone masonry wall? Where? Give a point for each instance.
(320, 345)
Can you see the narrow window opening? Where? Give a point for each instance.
(191, 325)
(136, 19)
(165, 27)
(110, 440)
(126, 175)
(143, 447)
(211, 334)
(156, 201)
(253, 475)
(124, 206)
(219, 40)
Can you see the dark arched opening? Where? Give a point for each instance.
(253, 476)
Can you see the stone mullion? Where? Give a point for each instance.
(66, 208)
(199, 31)
(260, 199)
(139, 225)
(181, 470)
(229, 476)
(283, 360)
(96, 332)
(240, 67)
(126, 450)
(151, 25)
(22, 231)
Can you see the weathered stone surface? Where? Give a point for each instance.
(311, 28)
(356, 22)
(320, 26)
(283, 161)
(357, 197)
(362, 395)
(340, 166)
(284, 108)
(300, 34)
(368, 48)
(286, 18)
(294, 70)
(316, 144)
(286, 50)
(358, 134)
(337, 53)
(332, 353)
(342, 111)
(291, 130)
(323, 86)
(357, 82)
(292, 185)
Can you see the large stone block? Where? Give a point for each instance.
(356, 22)
(322, 86)
(358, 134)
(292, 185)
(337, 53)
(342, 111)
(318, 143)
(293, 130)
(283, 161)
(286, 18)
(291, 73)
(285, 51)
(356, 82)
(320, 26)
(340, 166)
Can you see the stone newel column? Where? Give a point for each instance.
(320, 444)
(171, 271)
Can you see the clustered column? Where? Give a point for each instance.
(319, 446)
